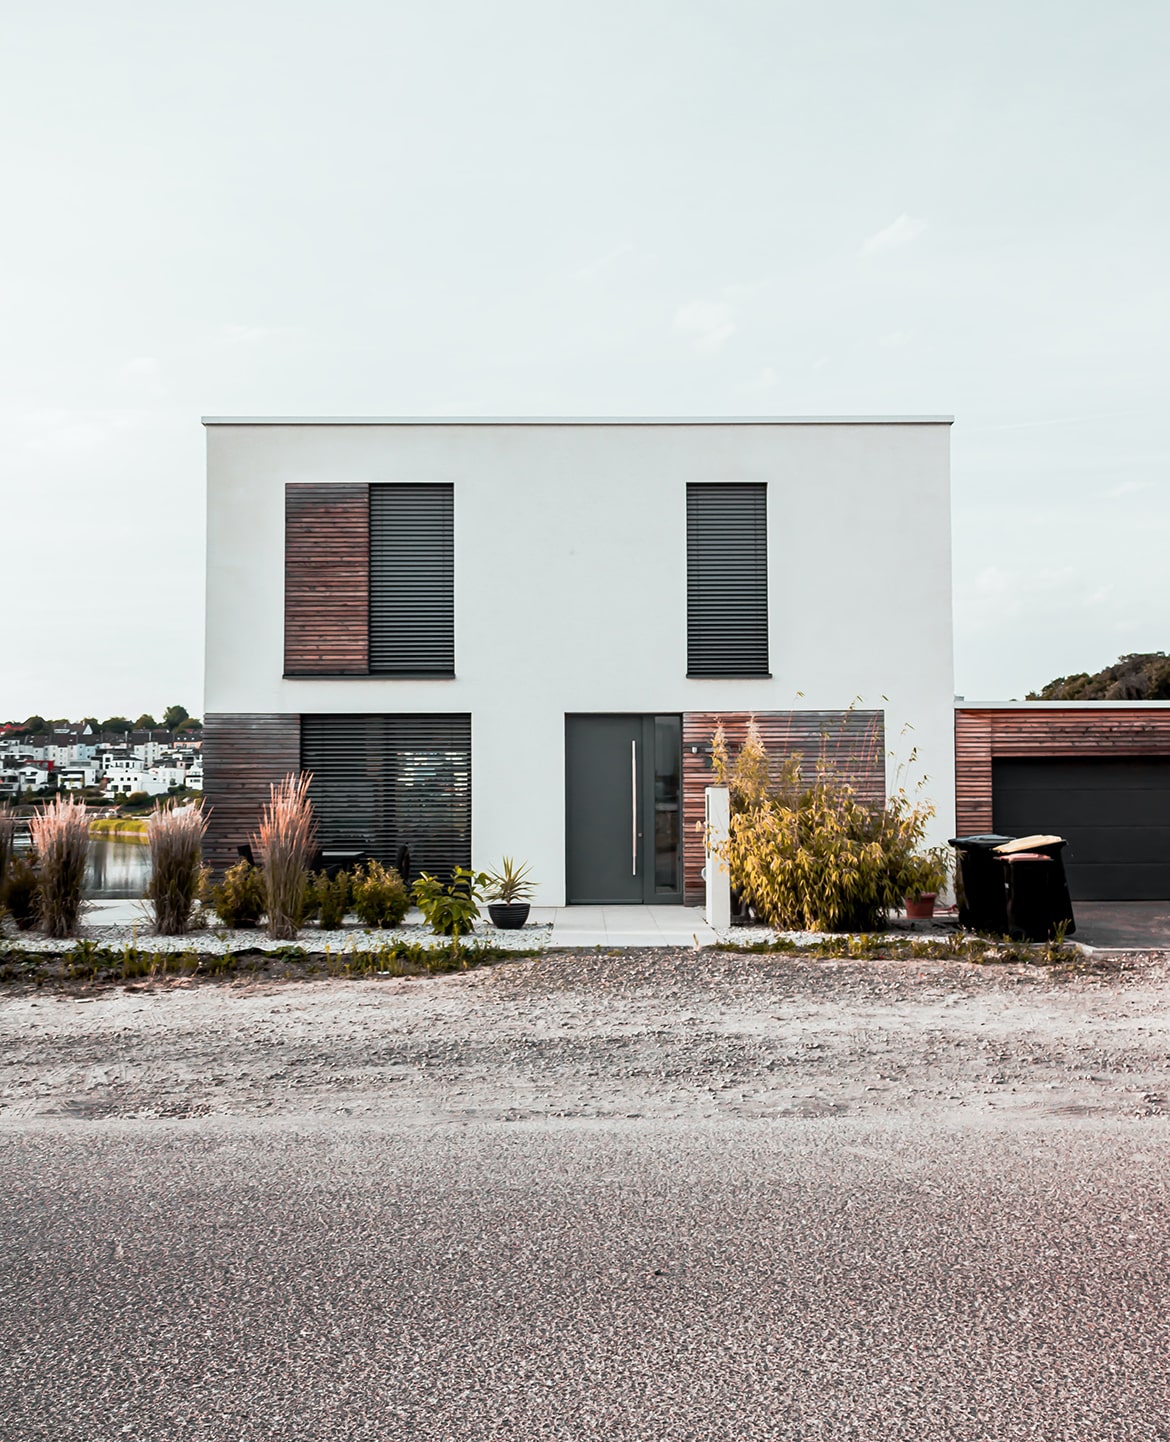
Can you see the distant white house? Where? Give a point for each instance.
(75, 778)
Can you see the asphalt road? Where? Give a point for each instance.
(926, 1271)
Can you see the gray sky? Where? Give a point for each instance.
(605, 207)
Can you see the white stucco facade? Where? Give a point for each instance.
(570, 586)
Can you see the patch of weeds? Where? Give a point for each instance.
(885, 946)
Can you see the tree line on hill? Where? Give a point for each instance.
(174, 718)
(1142, 676)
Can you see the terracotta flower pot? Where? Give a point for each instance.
(920, 907)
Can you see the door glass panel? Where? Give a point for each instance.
(667, 804)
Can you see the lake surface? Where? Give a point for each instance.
(116, 868)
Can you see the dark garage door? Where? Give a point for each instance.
(1114, 814)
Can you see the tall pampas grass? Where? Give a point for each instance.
(287, 845)
(175, 835)
(60, 838)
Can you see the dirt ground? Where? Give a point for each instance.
(697, 1196)
(652, 1034)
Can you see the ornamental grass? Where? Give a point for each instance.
(60, 838)
(175, 835)
(287, 844)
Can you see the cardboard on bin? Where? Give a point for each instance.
(1014, 856)
(1027, 843)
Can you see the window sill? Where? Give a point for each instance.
(730, 676)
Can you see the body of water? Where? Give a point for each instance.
(116, 868)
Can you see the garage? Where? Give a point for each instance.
(1114, 812)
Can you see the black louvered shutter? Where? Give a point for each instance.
(412, 580)
(727, 579)
(384, 782)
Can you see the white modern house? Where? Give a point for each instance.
(516, 637)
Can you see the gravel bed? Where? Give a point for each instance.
(215, 940)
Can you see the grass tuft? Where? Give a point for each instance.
(286, 843)
(60, 838)
(175, 835)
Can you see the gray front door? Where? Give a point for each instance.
(623, 805)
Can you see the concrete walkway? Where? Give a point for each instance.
(571, 925)
(628, 926)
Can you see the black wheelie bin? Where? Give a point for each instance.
(1038, 898)
(982, 885)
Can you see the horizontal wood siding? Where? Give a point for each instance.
(326, 579)
(981, 735)
(242, 756)
(852, 741)
(972, 774)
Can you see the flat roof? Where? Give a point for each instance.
(1061, 705)
(578, 420)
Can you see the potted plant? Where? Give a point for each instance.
(922, 877)
(509, 895)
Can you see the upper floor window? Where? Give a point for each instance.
(412, 580)
(727, 578)
(369, 580)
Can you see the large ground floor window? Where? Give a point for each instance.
(382, 783)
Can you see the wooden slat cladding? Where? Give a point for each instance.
(982, 734)
(852, 741)
(326, 579)
(242, 756)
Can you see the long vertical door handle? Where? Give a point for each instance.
(633, 808)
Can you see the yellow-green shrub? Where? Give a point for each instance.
(813, 855)
(379, 894)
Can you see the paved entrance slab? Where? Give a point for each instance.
(631, 926)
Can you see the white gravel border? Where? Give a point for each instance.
(215, 940)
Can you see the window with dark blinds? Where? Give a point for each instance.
(727, 579)
(412, 580)
(381, 783)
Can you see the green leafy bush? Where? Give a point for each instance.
(21, 892)
(329, 898)
(239, 898)
(451, 910)
(379, 895)
(813, 855)
(925, 873)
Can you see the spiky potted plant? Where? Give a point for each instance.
(510, 895)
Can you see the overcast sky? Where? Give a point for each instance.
(607, 207)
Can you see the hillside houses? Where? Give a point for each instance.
(77, 758)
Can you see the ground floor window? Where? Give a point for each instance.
(382, 783)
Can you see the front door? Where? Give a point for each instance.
(623, 804)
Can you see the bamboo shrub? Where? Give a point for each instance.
(175, 836)
(810, 854)
(60, 838)
(286, 844)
